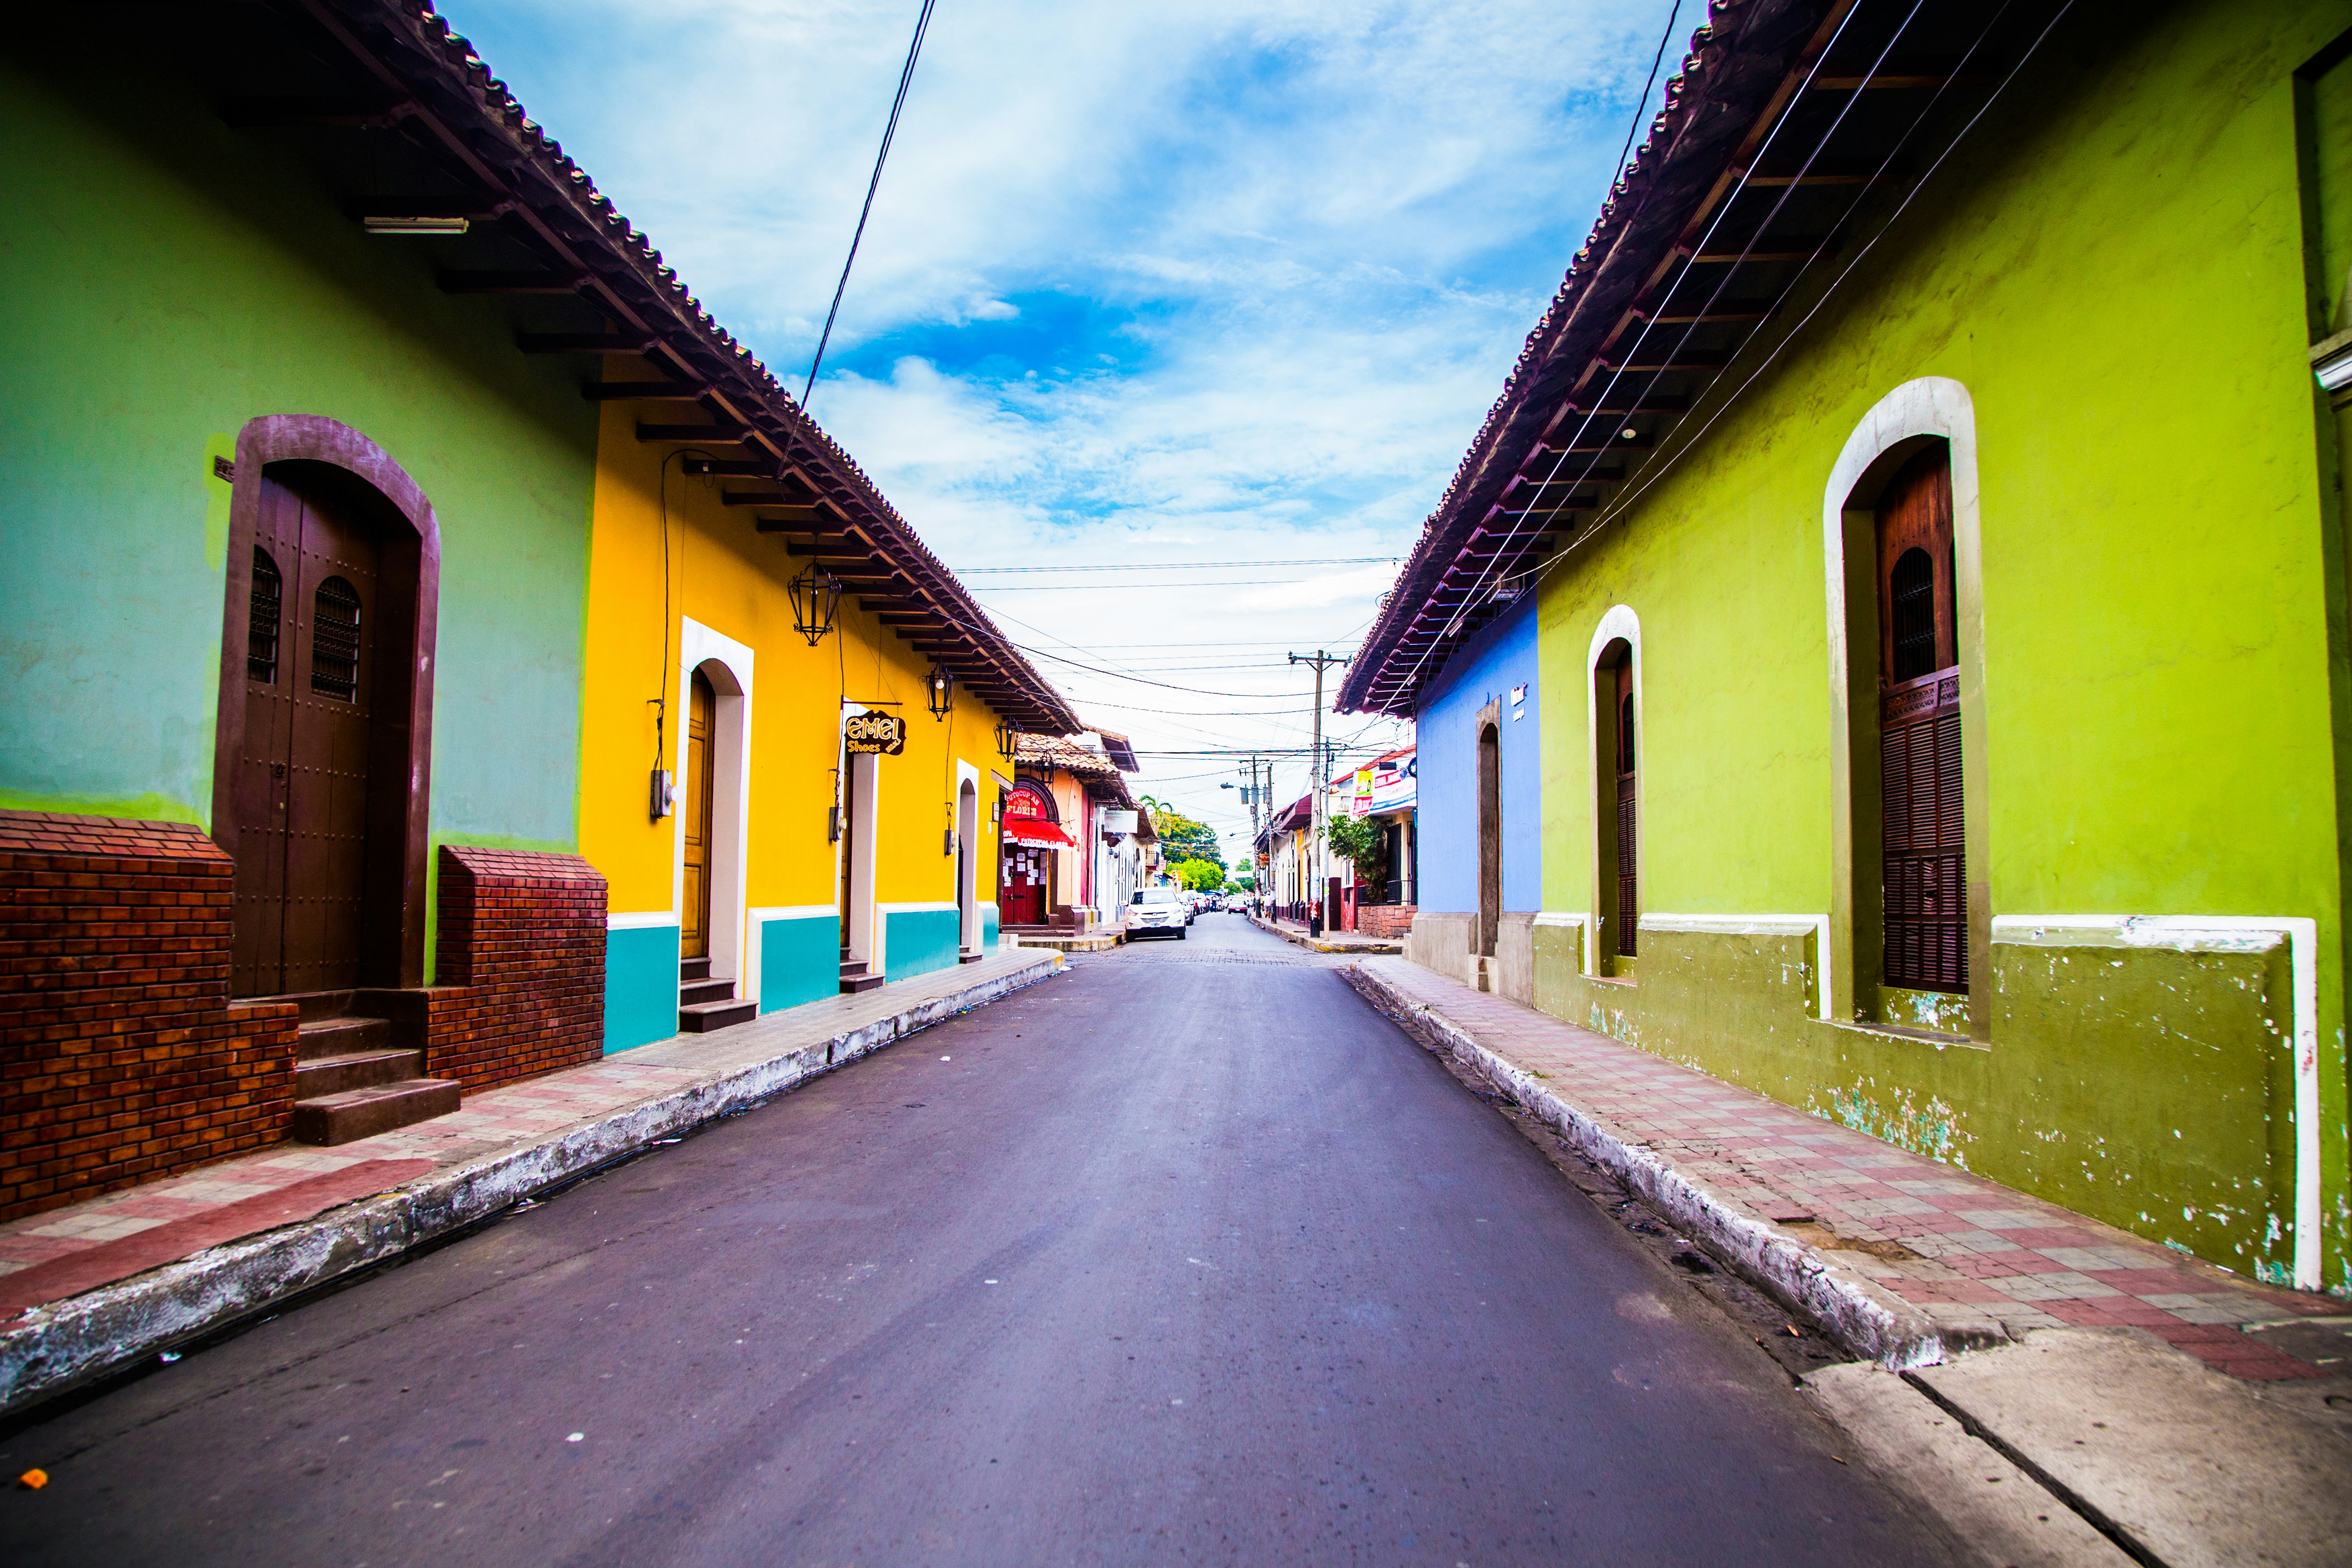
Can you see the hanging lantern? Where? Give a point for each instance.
(941, 695)
(816, 595)
(1008, 738)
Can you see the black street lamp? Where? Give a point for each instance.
(816, 595)
(1008, 738)
(941, 697)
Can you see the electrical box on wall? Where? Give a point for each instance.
(664, 795)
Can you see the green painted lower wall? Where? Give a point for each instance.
(988, 927)
(800, 960)
(917, 941)
(2146, 1086)
(640, 985)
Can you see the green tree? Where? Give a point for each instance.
(1360, 841)
(1185, 839)
(1200, 876)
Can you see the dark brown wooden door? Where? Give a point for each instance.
(1490, 838)
(1923, 817)
(1628, 824)
(702, 721)
(302, 774)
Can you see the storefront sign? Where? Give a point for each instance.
(1394, 785)
(884, 734)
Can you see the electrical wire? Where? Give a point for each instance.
(1722, 214)
(905, 75)
(1187, 565)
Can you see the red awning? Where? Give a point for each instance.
(1037, 832)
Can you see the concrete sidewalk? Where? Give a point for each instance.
(1329, 942)
(95, 1286)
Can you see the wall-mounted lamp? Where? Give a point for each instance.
(816, 595)
(941, 695)
(1008, 740)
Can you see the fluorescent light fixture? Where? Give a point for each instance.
(416, 225)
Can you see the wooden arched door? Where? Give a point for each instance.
(311, 697)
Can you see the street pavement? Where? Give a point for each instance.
(1189, 1255)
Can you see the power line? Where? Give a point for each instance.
(905, 75)
(1189, 565)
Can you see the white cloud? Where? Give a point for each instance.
(1308, 238)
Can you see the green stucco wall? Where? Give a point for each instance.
(168, 280)
(2113, 266)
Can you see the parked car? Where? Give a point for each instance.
(1157, 911)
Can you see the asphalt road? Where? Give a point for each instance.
(1188, 1256)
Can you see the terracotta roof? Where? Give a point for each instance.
(1763, 132)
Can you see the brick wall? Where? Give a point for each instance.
(519, 967)
(121, 1058)
(1387, 921)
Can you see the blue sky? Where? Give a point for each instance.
(1216, 283)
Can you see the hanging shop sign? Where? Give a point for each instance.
(884, 734)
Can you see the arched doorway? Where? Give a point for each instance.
(1490, 835)
(322, 756)
(1028, 854)
(967, 869)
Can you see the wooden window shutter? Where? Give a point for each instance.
(1924, 816)
(263, 607)
(1629, 826)
(335, 640)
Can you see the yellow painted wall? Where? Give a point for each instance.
(723, 574)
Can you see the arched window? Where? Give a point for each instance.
(1627, 823)
(335, 640)
(1911, 602)
(263, 607)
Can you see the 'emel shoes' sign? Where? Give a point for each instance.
(882, 733)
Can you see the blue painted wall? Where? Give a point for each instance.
(800, 960)
(988, 927)
(915, 942)
(640, 986)
(1499, 658)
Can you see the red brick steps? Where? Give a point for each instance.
(704, 1004)
(354, 1079)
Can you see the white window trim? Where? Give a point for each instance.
(1938, 406)
(1618, 623)
(730, 802)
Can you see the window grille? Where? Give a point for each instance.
(335, 640)
(262, 610)
(1911, 585)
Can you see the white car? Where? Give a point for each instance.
(1159, 912)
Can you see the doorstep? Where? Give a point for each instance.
(1329, 942)
(92, 1286)
(1902, 1259)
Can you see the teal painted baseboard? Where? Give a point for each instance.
(800, 960)
(915, 942)
(988, 927)
(640, 986)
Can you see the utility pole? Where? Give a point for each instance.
(1316, 764)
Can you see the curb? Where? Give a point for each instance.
(101, 1331)
(1355, 948)
(1865, 1320)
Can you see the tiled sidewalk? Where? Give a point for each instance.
(1329, 942)
(46, 1257)
(1979, 1252)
